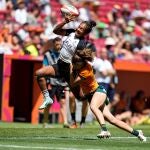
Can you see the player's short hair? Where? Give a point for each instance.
(56, 39)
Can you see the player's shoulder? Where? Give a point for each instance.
(87, 70)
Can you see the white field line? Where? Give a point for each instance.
(70, 138)
(40, 147)
(50, 148)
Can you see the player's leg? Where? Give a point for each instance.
(72, 107)
(63, 111)
(65, 70)
(52, 92)
(84, 112)
(96, 103)
(60, 95)
(96, 106)
(121, 124)
(40, 74)
(45, 71)
(46, 117)
(43, 86)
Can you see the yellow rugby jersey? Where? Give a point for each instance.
(89, 84)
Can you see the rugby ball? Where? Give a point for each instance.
(69, 9)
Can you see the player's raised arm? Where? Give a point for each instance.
(69, 13)
(58, 29)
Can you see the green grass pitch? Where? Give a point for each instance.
(21, 136)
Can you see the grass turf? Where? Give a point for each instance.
(23, 136)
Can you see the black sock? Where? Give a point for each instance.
(103, 126)
(73, 117)
(135, 132)
(82, 120)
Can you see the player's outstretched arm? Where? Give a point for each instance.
(59, 27)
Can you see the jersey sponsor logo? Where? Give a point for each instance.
(67, 44)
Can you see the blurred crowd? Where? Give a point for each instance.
(26, 24)
(124, 31)
(132, 109)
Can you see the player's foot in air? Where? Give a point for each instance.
(46, 103)
(104, 134)
(141, 136)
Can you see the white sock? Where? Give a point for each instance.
(45, 93)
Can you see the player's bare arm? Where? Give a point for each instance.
(59, 27)
(75, 81)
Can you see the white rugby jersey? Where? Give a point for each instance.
(69, 47)
(71, 44)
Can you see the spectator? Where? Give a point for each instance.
(5, 41)
(84, 11)
(21, 12)
(22, 30)
(129, 32)
(33, 4)
(138, 102)
(32, 17)
(17, 45)
(45, 6)
(147, 12)
(125, 50)
(102, 30)
(126, 12)
(30, 48)
(138, 105)
(138, 45)
(95, 6)
(122, 108)
(110, 44)
(2, 4)
(48, 25)
(114, 13)
(137, 12)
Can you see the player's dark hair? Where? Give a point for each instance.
(89, 25)
(56, 39)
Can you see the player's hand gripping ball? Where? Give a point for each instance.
(69, 12)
